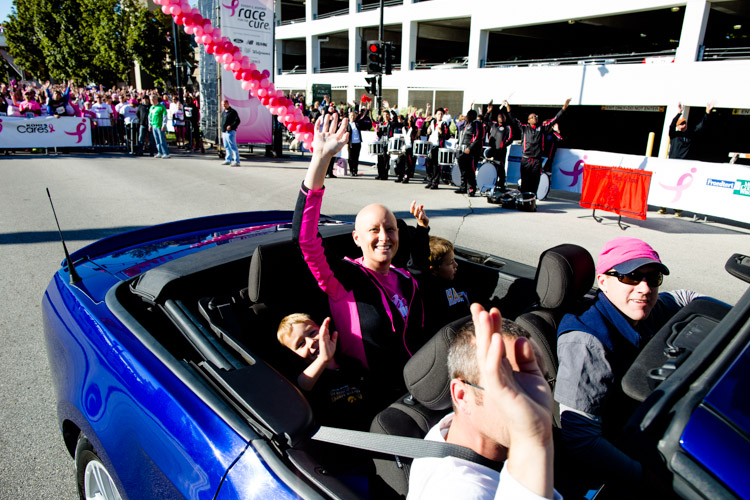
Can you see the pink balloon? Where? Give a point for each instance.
(207, 28)
(253, 84)
(175, 10)
(245, 85)
(226, 66)
(264, 83)
(198, 31)
(307, 146)
(208, 39)
(216, 33)
(218, 58)
(279, 93)
(234, 65)
(245, 62)
(262, 92)
(290, 109)
(227, 58)
(209, 49)
(253, 67)
(157, 2)
(165, 9)
(273, 101)
(196, 12)
(189, 31)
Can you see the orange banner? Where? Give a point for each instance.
(623, 191)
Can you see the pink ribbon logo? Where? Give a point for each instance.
(684, 182)
(51, 129)
(233, 6)
(576, 172)
(80, 130)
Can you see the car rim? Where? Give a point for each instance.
(98, 484)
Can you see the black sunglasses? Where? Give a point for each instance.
(653, 278)
(475, 386)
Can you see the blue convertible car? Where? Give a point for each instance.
(170, 382)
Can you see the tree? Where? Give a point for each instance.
(90, 40)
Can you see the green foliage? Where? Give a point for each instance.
(91, 40)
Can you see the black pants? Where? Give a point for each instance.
(383, 166)
(531, 171)
(432, 168)
(354, 149)
(500, 167)
(467, 164)
(131, 136)
(405, 165)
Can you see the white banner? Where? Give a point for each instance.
(44, 132)
(249, 25)
(718, 189)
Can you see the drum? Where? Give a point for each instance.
(446, 156)
(422, 148)
(526, 202)
(395, 145)
(508, 198)
(486, 176)
(376, 148)
(456, 174)
(544, 184)
(495, 195)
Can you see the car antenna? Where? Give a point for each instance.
(74, 277)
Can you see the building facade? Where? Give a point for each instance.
(626, 65)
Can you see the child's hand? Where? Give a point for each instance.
(327, 341)
(418, 212)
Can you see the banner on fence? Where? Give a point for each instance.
(623, 191)
(249, 25)
(44, 132)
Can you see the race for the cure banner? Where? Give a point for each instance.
(623, 191)
(249, 25)
(44, 132)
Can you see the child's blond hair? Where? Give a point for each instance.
(285, 327)
(439, 248)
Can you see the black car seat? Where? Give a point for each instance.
(428, 383)
(564, 274)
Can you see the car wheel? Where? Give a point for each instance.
(92, 478)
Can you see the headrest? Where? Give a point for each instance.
(278, 274)
(565, 273)
(426, 373)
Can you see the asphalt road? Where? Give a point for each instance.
(99, 196)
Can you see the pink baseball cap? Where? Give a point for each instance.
(625, 255)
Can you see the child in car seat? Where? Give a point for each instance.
(334, 387)
(443, 302)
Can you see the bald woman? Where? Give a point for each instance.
(376, 307)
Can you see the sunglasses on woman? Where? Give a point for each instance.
(653, 278)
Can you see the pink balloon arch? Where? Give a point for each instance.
(256, 82)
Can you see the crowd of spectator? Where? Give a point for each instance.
(114, 114)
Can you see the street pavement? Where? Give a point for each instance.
(100, 196)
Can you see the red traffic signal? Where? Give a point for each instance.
(375, 57)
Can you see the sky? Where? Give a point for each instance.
(5, 7)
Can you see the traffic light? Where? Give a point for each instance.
(374, 57)
(389, 57)
(372, 85)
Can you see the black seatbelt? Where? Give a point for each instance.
(401, 446)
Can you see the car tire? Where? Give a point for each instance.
(93, 480)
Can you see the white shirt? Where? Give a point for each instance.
(355, 134)
(102, 111)
(128, 111)
(453, 478)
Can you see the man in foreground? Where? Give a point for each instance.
(596, 346)
(502, 410)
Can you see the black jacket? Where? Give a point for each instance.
(533, 136)
(498, 139)
(681, 142)
(141, 114)
(229, 118)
